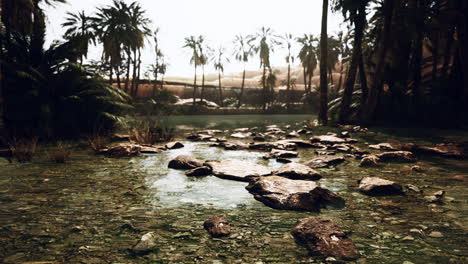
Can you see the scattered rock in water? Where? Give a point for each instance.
(238, 170)
(122, 150)
(283, 160)
(199, 171)
(376, 187)
(461, 178)
(394, 146)
(437, 197)
(185, 162)
(217, 226)
(278, 153)
(342, 147)
(436, 234)
(200, 137)
(413, 188)
(416, 168)
(298, 142)
(147, 244)
(236, 145)
(265, 146)
(397, 156)
(298, 171)
(241, 129)
(328, 139)
(369, 161)
(285, 194)
(324, 237)
(345, 134)
(150, 150)
(174, 145)
(293, 134)
(382, 146)
(325, 161)
(241, 135)
(444, 150)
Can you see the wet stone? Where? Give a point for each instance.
(397, 156)
(328, 139)
(147, 244)
(174, 145)
(217, 226)
(185, 162)
(238, 170)
(324, 237)
(325, 161)
(299, 171)
(199, 171)
(376, 187)
(369, 161)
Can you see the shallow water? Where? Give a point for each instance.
(76, 212)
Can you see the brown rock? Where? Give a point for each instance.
(369, 161)
(397, 156)
(299, 171)
(238, 170)
(217, 226)
(328, 139)
(377, 187)
(325, 161)
(123, 150)
(185, 162)
(199, 171)
(174, 145)
(324, 237)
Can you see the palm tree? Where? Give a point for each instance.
(323, 115)
(205, 53)
(308, 57)
(221, 59)
(159, 66)
(242, 52)
(286, 42)
(264, 46)
(193, 43)
(356, 13)
(79, 26)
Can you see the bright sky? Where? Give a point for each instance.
(218, 20)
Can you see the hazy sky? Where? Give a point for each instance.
(218, 20)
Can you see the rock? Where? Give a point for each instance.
(382, 146)
(394, 146)
(397, 156)
(199, 171)
(283, 160)
(325, 161)
(120, 137)
(174, 145)
(122, 150)
(278, 153)
(237, 145)
(150, 150)
(242, 129)
(413, 188)
(369, 161)
(259, 138)
(461, 178)
(298, 142)
(200, 137)
(444, 150)
(324, 237)
(217, 226)
(436, 234)
(285, 194)
(377, 186)
(265, 146)
(345, 134)
(342, 147)
(238, 170)
(416, 168)
(328, 139)
(146, 244)
(185, 162)
(241, 135)
(293, 134)
(299, 171)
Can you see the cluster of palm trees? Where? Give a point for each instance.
(263, 44)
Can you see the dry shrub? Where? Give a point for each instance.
(150, 133)
(61, 153)
(97, 142)
(23, 149)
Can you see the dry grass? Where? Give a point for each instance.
(97, 142)
(23, 150)
(150, 133)
(60, 154)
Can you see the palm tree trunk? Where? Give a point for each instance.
(323, 112)
(288, 87)
(134, 74)
(368, 113)
(363, 81)
(127, 79)
(137, 84)
(202, 94)
(220, 90)
(239, 103)
(194, 87)
(309, 84)
(417, 56)
(264, 91)
(305, 80)
(111, 71)
(447, 55)
(356, 58)
(340, 80)
(117, 74)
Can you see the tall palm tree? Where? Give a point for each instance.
(323, 112)
(220, 61)
(243, 50)
(205, 53)
(80, 27)
(193, 43)
(265, 42)
(308, 57)
(356, 13)
(287, 41)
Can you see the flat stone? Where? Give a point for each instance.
(199, 171)
(377, 187)
(369, 161)
(324, 237)
(298, 142)
(146, 244)
(122, 150)
(397, 156)
(278, 153)
(238, 170)
(241, 135)
(444, 150)
(325, 161)
(174, 145)
(236, 145)
(285, 194)
(299, 171)
(461, 178)
(185, 162)
(217, 226)
(436, 234)
(328, 139)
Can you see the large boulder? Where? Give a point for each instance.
(444, 150)
(324, 237)
(328, 139)
(397, 156)
(199, 171)
(377, 187)
(325, 161)
(285, 194)
(185, 162)
(217, 226)
(294, 170)
(369, 161)
(238, 170)
(122, 150)
(174, 145)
